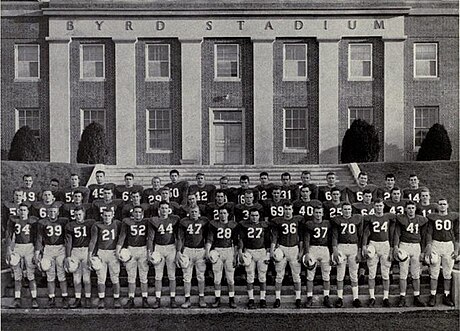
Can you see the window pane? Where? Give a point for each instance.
(28, 53)
(433, 68)
(158, 52)
(23, 69)
(422, 68)
(295, 52)
(366, 69)
(227, 52)
(33, 69)
(99, 69)
(360, 52)
(88, 69)
(301, 69)
(425, 52)
(93, 53)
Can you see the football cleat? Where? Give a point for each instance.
(201, 302)
(156, 303)
(129, 304)
(357, 303)
(309, 302)
(386, 303)
(298, 303)
(145, 303)
(52, 303)
(231, 302)
(326, 302)
(187, 303)
(101, 304)
(371, 302)
(76, 304)
(34, 303)
(88, 303)
(447, 300)
(262, 303)
(16, 304)
(173, 303)
(216, 303)
(251, 304)
(339, 303)
(277, 303)
(65, 303)
(116, 303)
(432, 301)
(402, 301)
(418, 302)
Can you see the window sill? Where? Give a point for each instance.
(158, 151)
(427, 78)
(295, 151)
(227, 79)
(92, 80)
(360, 79)
(27, 80)
(295, 79)
(158, 79)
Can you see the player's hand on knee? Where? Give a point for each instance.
(395, 254)
(8, 257)
(365, 253)
(454, 255)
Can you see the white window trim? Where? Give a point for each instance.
(296, 78)
(227, 79)
(16, 119)
(416, 148)
(16, 62)
(415, 61)
(82, 118)
(360, 78)
(290, 149)
(149, 150)
(349, 117)
(92, 79)
(156, 79)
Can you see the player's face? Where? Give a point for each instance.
(223, 183)
(136, 198)
(362, 180)
(346, 210)
(367, 198)
(107, 216)
(378, 207)
(47, 196)
(305, 178)
(244, 183)
(318, 214)
(18, 196)
(249, 198)
(396, 195)
(54, 186)
(108, 195)
(28, 182)
(425, 197)
(200, 180)
(443, 205)
(74, 181)
(164, 195)
(53, 213)
(220, 198)
(23, 212)
(156, 184)
(223, 215)
(335, 196)
(305, 192)
(276, 195)
(174, 177)
(79, 215)
(163, 210)
(288, 211)
(138, 214)
(330, 180)
(77, 198)
(264, 180)
(194, 213)
(254, 217)
(285, 180)
(191, 200)
(129, 181)
(413, 182)
(410, 210)
(100, 178)
(390, 182)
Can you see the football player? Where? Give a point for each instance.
(212, 209)
(305, 179)
(55, 189)
(178, 188)
(104, 238)
(384, 192)
(96, 191)
(222, 239)
(408, 237)
(304, 206)
(274, 207)
(324, 192)
(152, 194)
(78, 235)
(265, 187)
(238, 193)
(204, 192)
(286, 237)
(123, 192)
(364, 207)
(229, 191)
(174, 207)
(333, 207)
(40, 208)
(20, 239)
(68, 209)
(75, 185)
(50, 240)
(424, 207)
(30, 193)
(317, 241)
(242, 210)
(347, 233)
(135, 201)
(191, 203)
(254, 241)
(192, 235)
(443, 239)
(395, 204)
(162, 239)
(378, 232)
(10, 208)
(134, 234)
(413, 191)
(355, 193)
(289, 191)
(107, 203)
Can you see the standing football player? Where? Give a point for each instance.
(425, 207)
(68, 209)
(304, 206)
(75, 185)
(395, 204)
(365, 206)
(289, 191)
(10, 208)
(355, 193)
(123, 192)
(40, 208)
(212, 209)
(239, 192)
(242, 210)
(305, 179)
(333, 207)
(96, 191)
(135, 201)
(274, 207)
(30, 192)
(413, 191)
(107, 203)
(152, 194)
(384, 192)
(204, 192)
(265, 187)
(324, 191)
(178, 188)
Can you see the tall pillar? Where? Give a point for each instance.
(263, 101)
(328, 138)
(394, 100)
(59, 89)
(191, 100)
(125, 101)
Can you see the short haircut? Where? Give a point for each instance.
(287, 203)
(305, 186)
(378, 200)
(129, 174)
(192, 192)
(367, 191)
(174, 171)
(74, 174)
(220, 191)
(248, 191)
(55, 180)
(443, 199)
(330, 174)
(253, 210)
(164, 188)
(77, 192)
(223, 178)
(224, 207)
(163, 202)
(346, 203)
(26, 175)
(244, 177)
(276, 187)
(410, 202)
(318, 207)
(22, 204)
(395, 189)
(18, 189)
(362, 173)
(424, 189)
(389, 176)
(199, 174)
(108, 187)
(412, 175)
(263, 173)
(156, 177)
(284, 174)
(335, 189)
(138, 207)
(306, 172)
(79, 208)
(100, 172)
(134, 192)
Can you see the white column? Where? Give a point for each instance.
(263, 101)
(328, 138)
(59, 87)
(125, 101)
(394, 100)
(191, 100)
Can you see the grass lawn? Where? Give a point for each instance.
(441, 177)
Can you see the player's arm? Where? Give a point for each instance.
(68, 241)
(150, 238)
(301, 244)
(335, 239)
(9, 239)
(274, 239)
(209, 239)
(456, 237)
(429, 237)
(180, 238)
(366, 234)
(306, 242)
(93, 241)
(121, 238)
(39, 241)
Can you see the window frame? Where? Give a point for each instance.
(92, 79)
(436, 108)
(295, 78)
(371, 109)
(16, 63)
(307, 141)
(17, 127)
(238, 71)
(148, 149)
(360, 78)
(82, 117)
(415, 60)
(147, 61)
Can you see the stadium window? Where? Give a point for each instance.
(89, 116)
(226, 62)
(424, 119)
(363, 113)
(27, 62)
(92, 62)
(29, 117)
(295, 62)
(159, 134)
(425, 60)
(157, 62)
(359, 61)
(295, 130)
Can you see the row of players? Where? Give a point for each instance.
(56, 244)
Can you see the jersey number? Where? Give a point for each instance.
(289, 228)
(108, 234)
(137, 230)
(201, 196)
(254, 233)
(377, 227)
(445, 225)
(224, 233)
(53, 230)
(25, 229)
(348, 228)
(412, 228)
(277, 211)
(80, 231)
(320, 232)
(125, 196)
(194, 228)
(168, 229)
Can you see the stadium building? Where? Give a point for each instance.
(231, 82)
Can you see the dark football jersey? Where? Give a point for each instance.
(265, 191)
(230, 195)
(363, 209)
(347, 231)
(178, 192)
(59, 195)
(123, 192)
(426, 210)
(443, 227)
(254, 235)
(22, 231)
(204, 194)
(10, 209)
(174, 209)
(31, 194)
(306, 208)
(128, 209)
(379, 227)
(133, 233)
(320, 233)
(287, 232)
(163, 231)
(274, 209)
(68, 193)
(104, 235)
(411, 229)
(100, 205)
(212, 210)
(151, 196)
(68, 210)
(79, 234)
(314, 189)
(184, 211)
(384, 193)
(324, 193)
(40, 209)
(51, 232)
(96, 191)
(290, 192)
(238, 195)
(193, 232)
(355, 193)
(412, 193)
(397, 208)
(222, 235)
(332, 210)
(242, 211)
